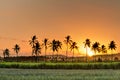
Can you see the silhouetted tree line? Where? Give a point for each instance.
(56, 46)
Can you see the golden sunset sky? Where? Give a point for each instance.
(98, 20)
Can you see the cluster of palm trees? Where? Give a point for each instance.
(56, 45)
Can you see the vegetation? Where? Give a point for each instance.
(112, 46)
(87, 45)
(38, 74)
(42, 65)
(56, 45)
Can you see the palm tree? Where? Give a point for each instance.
(16, 49)
(72, 47)
(6, 53)
(68, 43)
(103, 49)
(96, 48)
(112, 46)
(45, 44)
(37, 50)
(53, 47)
(87, 45)
(58, 46)
(33, 42)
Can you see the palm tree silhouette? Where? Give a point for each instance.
(37, 50)
(72, 47)
(68, 43)
(33, 42)
(53, 47)
(96, 48)
(6, 52)
(87, 45)
(16, 49)
(58, 46)
(103, 49)
(45, 44)
(112, 46)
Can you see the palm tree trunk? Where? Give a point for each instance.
(66, 52)
(86, 54)
(45, 55)
(73, 56)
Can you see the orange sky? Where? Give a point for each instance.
(98, 20)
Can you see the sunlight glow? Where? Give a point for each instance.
(90, 52)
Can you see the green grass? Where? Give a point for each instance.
(54, 74)
(30, 65)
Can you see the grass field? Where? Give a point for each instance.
(54, 74)
(48, 65)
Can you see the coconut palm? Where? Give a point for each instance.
(96, 48)
(6, 53)
(58, 46)
(103, 49)
(33, 42)
(87, 45)
(53, 47)
(45, 44)
(16, 49)
(73, 47)
(37, 50)
(112, 46)
(68, 43)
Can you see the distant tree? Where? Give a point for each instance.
(73, 47)
(103, 49)
(33, 42)
(37, 50)
(96, 48)
(87, 45)
(68, 43)
(58, 46)
(16, 49)
(6, 52)
(45, 44)
(53, 47)
(112, 46)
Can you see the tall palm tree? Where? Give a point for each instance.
(37, 50)
(68, 43)
(6, 52)
(87, 45)
(53, 47)
(58, 46)
(45, 44)
(16, 49)
(112, 46)
(72, 47)
(33, 42)
(96, 48)
(103, 49)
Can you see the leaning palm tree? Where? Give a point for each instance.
(45, 44)
(6, 52)
(112, 46)
(16, 49)
(33, 42)
(68, 43)
(96, 48)
(87, 45)
(58, 46)
(72, 47)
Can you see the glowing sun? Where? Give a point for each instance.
(90, 52)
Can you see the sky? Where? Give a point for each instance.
(98, 20)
